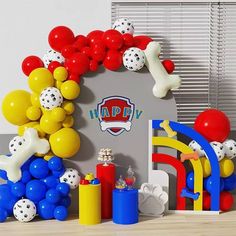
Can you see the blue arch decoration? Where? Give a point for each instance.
(215, 170)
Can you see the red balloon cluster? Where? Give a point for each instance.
(86, 53)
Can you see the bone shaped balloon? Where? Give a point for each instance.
(33, 144)
(163, 81)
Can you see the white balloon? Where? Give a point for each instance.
(134, 59)
(196, 147)
(71, 177)
(123, 25)
(219, 149)
(230, 148)
(50, 98)
(24, 210)
(52, 55)
(16, 143)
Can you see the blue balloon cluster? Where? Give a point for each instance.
(40, 184)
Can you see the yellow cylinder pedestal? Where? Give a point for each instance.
(89, 204)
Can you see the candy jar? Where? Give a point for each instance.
(130, 178)
(120, 183)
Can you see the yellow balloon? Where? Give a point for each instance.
(65, 142)
(69, 107)
(22, 128)
(33, 113)
(206, 167)
(48, 156)
(35, 100)
(60, 73)
(58, 84)
(40, 79)
(14, 107)
(48, 125)
(58, 114)
(41, 133)
(68, 122)
(70, 90)
(89, 176)
(226, 167)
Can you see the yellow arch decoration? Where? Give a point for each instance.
(197, 167)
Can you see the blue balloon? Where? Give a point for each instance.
(26, 165)
(26, 176)
(3, 215)
(207, 183)
(55, 163)
(60, 213)
(18, 189)
(35, 190)
(63, 188)
(95, 181)
(46, 209)
(65, 201)
(39, 168)
(53, 196)
(3, 174)
(59, 173)
(230, 183)
(190, 180)
(51, 181)
(7, 199)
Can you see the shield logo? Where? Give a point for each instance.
(115, 114)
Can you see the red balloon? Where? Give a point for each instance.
(123, 49)
(74, 77)
(93, 65)
(30, 63)
(113, 60)
(80, 42)
(68, 51)
(53, 65)
(113, 39)
(98, 51)
(94, 36)
(226, 201)
(169, 66)
(77, 64)
(206, 201)
(59, 37)
(213, 124)
(128, 40)
(142, 41)
(87, 51)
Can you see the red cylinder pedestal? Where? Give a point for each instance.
(106, 175)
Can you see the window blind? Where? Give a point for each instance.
(200, 37)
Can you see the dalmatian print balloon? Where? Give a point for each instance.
(196, 147)
(15, 144)
(24, 210)
(219, 149)
(50, 98)
(123, 25)
(71, 177)
(134, 59)
(230, 148)
(52, 55)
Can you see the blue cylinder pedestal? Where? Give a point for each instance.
(125, 206)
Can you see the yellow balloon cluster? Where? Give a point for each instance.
(53, 122)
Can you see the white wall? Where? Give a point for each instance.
(24, 27)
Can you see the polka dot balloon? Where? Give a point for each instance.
(230, 148)
(134, 59)
(24, 210)
(124, 26)
(50, 98)
(219, 149)
(15, 144)
(196, 147)
(71, 177)
(52, 55)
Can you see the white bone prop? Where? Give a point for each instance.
(33, 144)
(166, 126)
(115, 124)
(163, 81)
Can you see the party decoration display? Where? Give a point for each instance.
(33, 144)
(51, 56)
(15, 144)
(163, 81)
(188, 194)
(166, 126)
(134, 59)
(196, 148)
(105, 155)
(184, 157)
(152, 199)
(24, 210)
(219, 149)
(120, 183)
(71, 177)
(230, 148)
(130, 178)
(30, 63)
(123, 25)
